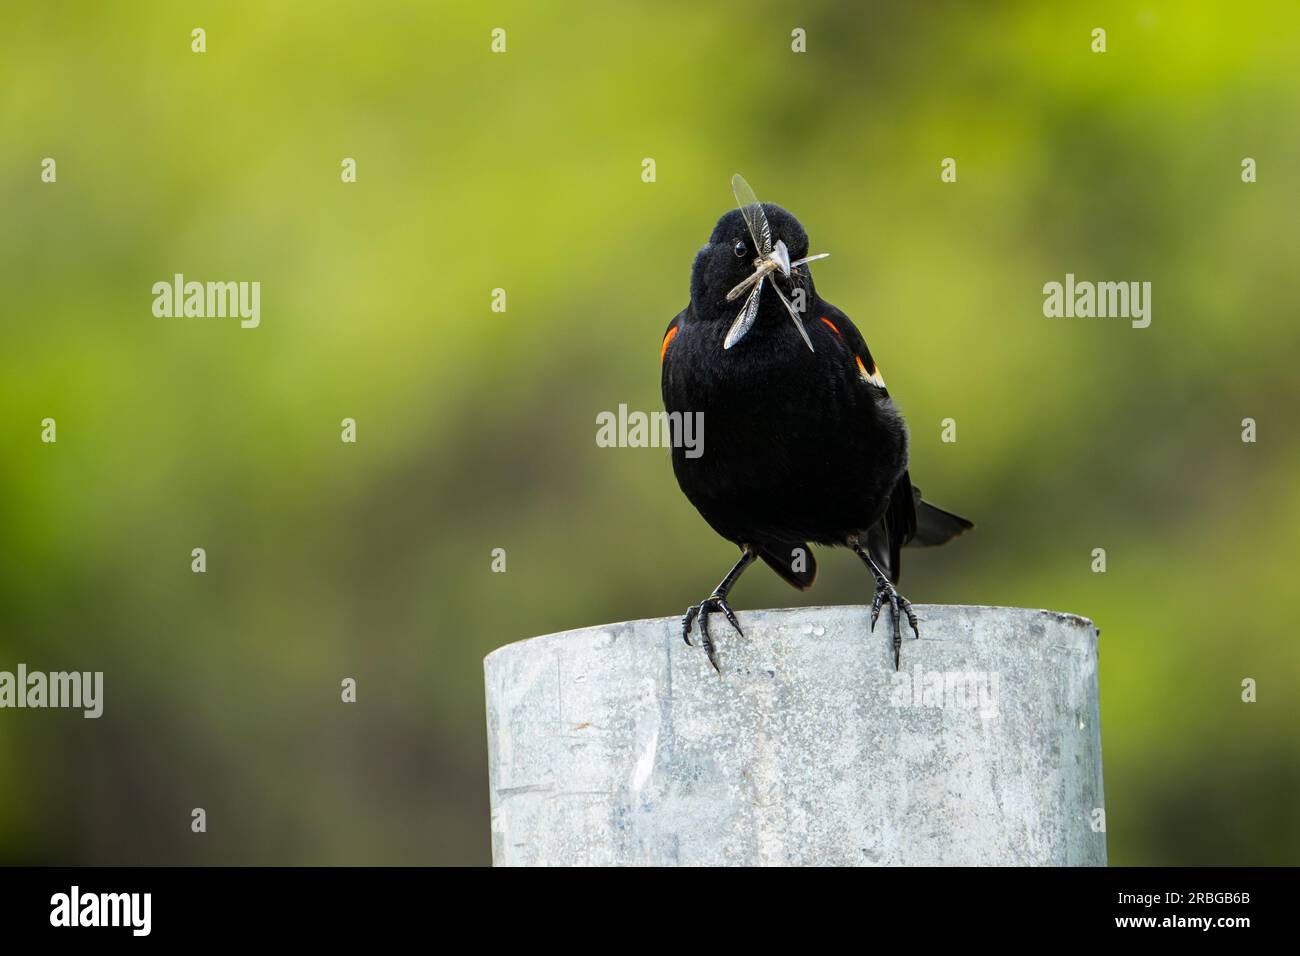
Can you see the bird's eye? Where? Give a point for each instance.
(740, 248)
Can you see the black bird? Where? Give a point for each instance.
(804, 443)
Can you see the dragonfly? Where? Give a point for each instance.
(771, 258)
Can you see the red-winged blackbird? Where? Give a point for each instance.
(803, 442)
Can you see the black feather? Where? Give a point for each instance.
(787, 559)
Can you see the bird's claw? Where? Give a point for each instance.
(885, 591)
(714, 602)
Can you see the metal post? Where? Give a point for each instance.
(619, 745)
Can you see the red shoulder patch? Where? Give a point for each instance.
(663, 349)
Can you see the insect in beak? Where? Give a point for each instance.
(781, 256)
(771, 258)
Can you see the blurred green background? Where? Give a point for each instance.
(477, 429)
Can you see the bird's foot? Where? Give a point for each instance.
(714, 602)
(885, 591)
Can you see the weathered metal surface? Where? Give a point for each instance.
(619, 745)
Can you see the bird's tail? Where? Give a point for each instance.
(935, 526)
(794, 562)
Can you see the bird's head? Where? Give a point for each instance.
(751, 247)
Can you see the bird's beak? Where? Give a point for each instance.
(781, 256)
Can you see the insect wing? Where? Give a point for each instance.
(798, 322)
(745, 317)
(755, 218)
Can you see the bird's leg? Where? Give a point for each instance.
(885, 590)
(717, 601)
